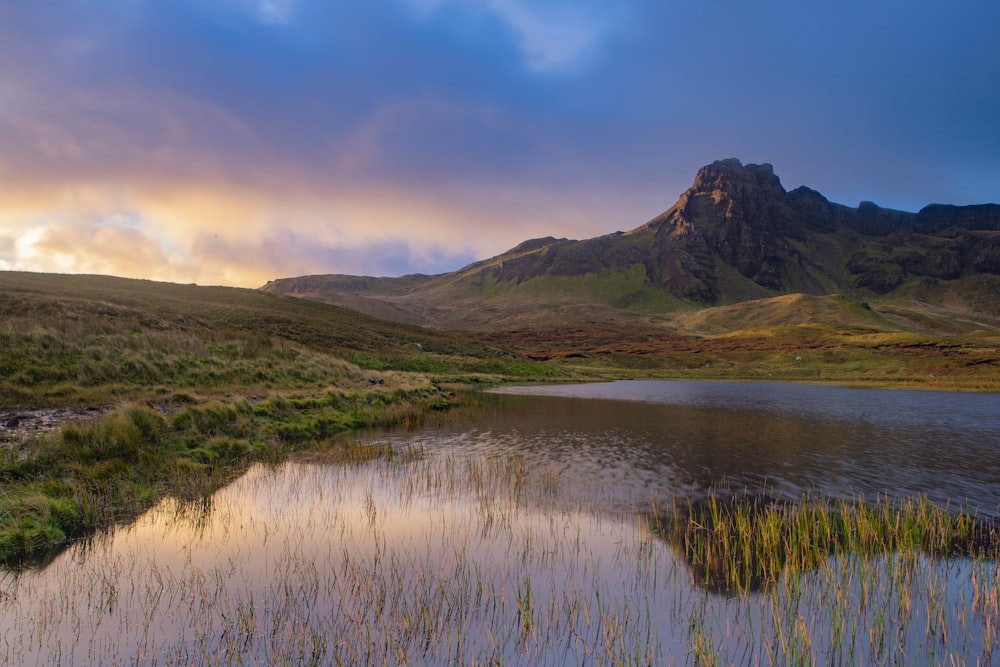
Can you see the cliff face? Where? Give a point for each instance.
(736, 234)
(740, 216)
(735, 214)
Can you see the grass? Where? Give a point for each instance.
(89, 340)
(736, 545)
(201, 385)
(87, 477)
(198, 382)
(407, 556)
(816, 352)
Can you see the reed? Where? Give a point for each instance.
(739, 544)
(393, 556)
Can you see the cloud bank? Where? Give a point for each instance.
(237, 141)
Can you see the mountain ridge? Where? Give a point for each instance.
(735, 235)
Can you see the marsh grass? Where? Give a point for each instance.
(378, 561)
(86, 477)
(739, 544)
(404, 556)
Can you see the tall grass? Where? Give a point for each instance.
(88, 476)
(50, 366)
(410, 556)
(94, 339)
(737, 545)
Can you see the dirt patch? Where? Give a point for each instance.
(20, 424)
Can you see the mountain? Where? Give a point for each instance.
(736, 235)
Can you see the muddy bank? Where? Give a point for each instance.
(16, 425)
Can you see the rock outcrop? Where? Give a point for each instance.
(736, 234)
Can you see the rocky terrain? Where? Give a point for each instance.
(735, 235)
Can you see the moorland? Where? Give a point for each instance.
(175, 389)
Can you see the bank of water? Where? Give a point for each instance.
(523, 536)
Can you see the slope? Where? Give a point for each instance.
(736, 235)
(85, 340)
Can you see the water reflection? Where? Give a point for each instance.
(520, 537)
(681, 438)
(426, 563)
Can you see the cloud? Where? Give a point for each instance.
(109, 129)
(287, 253)
(245, 233)
(557, 35)
(242, 140)
(275, 11)
(82, 245)
(375, 141)
(554, 36)
(234, 234)
(7, 251)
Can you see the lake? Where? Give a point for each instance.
(672, 437)
(522, 536)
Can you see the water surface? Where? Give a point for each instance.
(667, 438)
(519, 536)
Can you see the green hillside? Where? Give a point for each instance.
(95, 339)
(785, 311)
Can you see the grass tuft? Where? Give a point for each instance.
(734, 545)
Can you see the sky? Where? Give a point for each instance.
(235, 141)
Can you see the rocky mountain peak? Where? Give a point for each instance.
(731, 176)
(736, 234)
(737, 212)
(728, 193)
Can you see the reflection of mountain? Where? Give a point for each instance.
(736, 235)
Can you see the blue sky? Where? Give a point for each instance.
(234, 141)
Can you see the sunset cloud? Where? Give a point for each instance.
(242, 140)
(246, 235)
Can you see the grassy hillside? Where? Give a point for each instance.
(94, 339)
(784, 311)
(795, 337)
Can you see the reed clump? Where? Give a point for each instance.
(738, 544)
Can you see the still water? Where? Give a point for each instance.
(667, 438)
(519, 537)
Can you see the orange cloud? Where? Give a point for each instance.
(246, 234)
